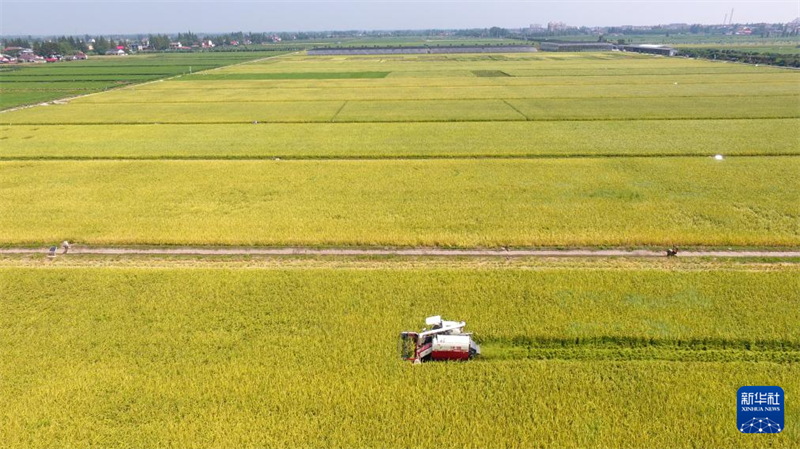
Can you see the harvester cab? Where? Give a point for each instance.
(446, 340)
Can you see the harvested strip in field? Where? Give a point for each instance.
(577, 202)
(490, 73)
(410, 140)
(145, 344)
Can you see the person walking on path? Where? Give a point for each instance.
(66, 246)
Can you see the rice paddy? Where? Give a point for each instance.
(517, 150)
(275, 357)
(454, 203)
(34, 83)
(400, 107)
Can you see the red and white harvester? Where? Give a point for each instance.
(446, 340)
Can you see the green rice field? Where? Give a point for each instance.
(35, 83)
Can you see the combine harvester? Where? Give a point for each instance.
(445, 341)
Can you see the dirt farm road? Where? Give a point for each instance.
(410, 252)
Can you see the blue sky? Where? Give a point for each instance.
(127, 17)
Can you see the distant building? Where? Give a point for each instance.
(207, 44)
(576, 46)
(27, 55)
(556, 26)
(175, 45)
(663, 50)
(79, 56)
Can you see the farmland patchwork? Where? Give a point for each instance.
(465, 151)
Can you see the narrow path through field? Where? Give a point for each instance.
(294, 251)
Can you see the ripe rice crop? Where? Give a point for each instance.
(479, 92)
(422, 110)
(463, 203)
(753, 79)
(321, 111)
(415, 140)
(306, 357)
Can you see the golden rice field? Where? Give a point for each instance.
(404, 140)
(275, 356)
(746, 201)
(538, 110)
(517, 150)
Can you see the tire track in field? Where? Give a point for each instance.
(633, 348)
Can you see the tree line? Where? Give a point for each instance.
(749, 57)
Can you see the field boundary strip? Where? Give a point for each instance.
(411, 252)
(264, 122)
(404, 86)
(403, 157)
(412, 100)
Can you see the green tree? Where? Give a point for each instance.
(159, 41)
(47, 48)
(498, 32)
(101, 45)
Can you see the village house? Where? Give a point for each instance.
(27, 55)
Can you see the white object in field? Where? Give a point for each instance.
(719, 157)
(433, 320)
(451, 343)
